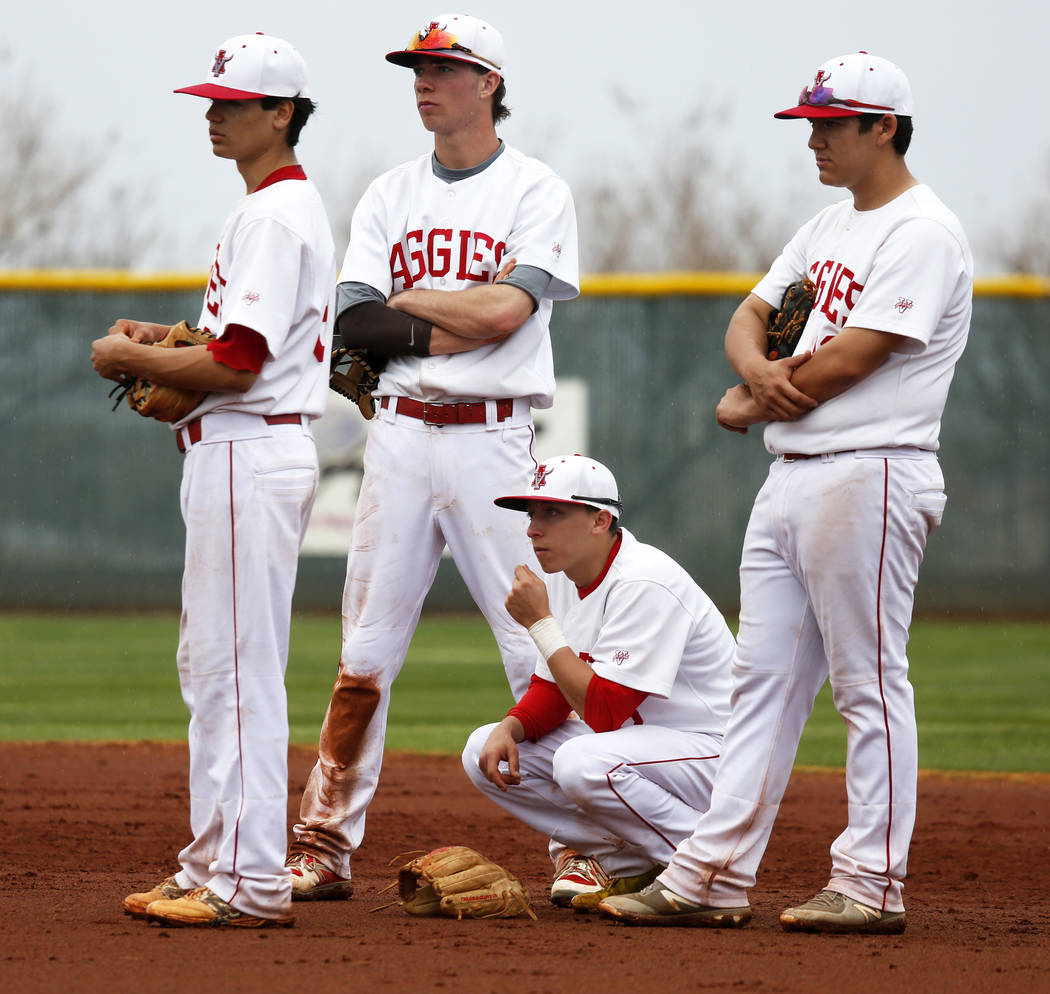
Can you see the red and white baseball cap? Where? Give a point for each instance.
(248, 66)
(454, 36)
(851, 85)
(569, 480)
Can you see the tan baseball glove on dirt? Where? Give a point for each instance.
(786, 324)
(154, 400)
(458, 882)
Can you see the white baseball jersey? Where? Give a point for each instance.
(274, 272)
(412, 228)
(648, 626)
(864, 264)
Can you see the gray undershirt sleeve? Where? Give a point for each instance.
(533, 280)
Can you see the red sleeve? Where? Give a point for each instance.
(240, 348)
(541, 710)
(610, 704)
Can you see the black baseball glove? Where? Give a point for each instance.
(786, 324)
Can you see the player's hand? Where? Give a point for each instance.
(771, 389)
(109, 354)
(500, 747)
(505, 270)
(527, 601)
(737, 410)
(145, 332)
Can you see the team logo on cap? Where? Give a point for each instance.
(433, 37)
(219, 66)
(540, 477)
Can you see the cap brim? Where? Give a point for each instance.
(810, 113)
(521, 503)
(221, 92)
(408, 59)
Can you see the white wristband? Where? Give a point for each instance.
(547, 635)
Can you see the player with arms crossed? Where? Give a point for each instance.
(832, 551)
(630, 642)
(249, 479)
(469, 357)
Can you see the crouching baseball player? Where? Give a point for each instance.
(248, 484)
(629, 641)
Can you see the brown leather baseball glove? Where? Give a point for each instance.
(458, 882)
(786, 324)
(155, 400)
(354, 373)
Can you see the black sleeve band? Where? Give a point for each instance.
(376, 327)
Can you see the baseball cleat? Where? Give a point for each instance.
(616, 885)
(313, 881)
(575, 875)
(831, 911)
(135, 904)
(202, 907)
(656, 905)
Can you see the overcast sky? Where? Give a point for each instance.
(594, 87)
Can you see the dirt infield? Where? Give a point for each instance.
(82, 825)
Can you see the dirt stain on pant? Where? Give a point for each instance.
(350, 711)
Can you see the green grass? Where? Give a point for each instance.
(982, 689)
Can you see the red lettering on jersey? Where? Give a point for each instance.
(478, 256)
(587, 657)
(213, 295)
(836, 294)
(399, 267)
(417, 255)
(464, 241)
(469, 274)
(319, 350)
(439, 259)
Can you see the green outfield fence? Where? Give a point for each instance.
(90, 513)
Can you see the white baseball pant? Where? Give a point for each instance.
(625, 798)
(246, 503)
(424, 486)
(827, 579)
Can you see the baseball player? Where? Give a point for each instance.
(469, 358)
(249, 478)
(832, 550)
(629, 641)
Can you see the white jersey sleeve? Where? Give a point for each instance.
(260, 292)
(643, 638)
(905, 299)
(544, 235)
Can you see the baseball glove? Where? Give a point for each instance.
(155, 400)
(458, 882)
(786, 324)
(354, 373)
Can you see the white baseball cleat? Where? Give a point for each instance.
(575, 874)
(313, 881)
(656, 905)
(831, 911)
